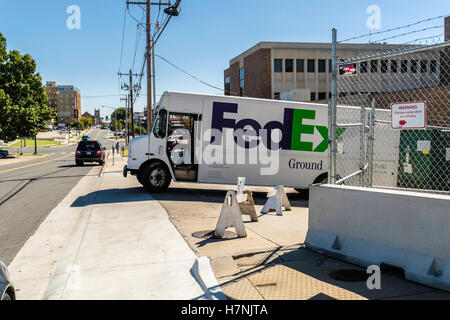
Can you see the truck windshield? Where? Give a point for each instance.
(159, 130)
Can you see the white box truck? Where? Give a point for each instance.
(216, 139)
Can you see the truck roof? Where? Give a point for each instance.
(284, 102)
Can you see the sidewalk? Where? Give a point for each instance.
(108, 239)
(272, 261)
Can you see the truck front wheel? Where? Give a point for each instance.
(155, 178)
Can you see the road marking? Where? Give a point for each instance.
(35, 164)
(95, 138)
(63, 153)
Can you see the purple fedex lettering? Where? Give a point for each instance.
(219, 122)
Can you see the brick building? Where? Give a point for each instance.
(66, 101)
(270, 68)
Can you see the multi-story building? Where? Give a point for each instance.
(66, 100)
(269, 69)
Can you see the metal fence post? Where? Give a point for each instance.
(332, 112)
(371, 142)
(362, 146)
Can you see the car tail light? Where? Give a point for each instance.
(99, 153)
(78, 153)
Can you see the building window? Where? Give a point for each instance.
(423, 66)
(433, 66)
(414, 66)
(404, 66)
(374, 66)
(227, 86)
(311, 65)
(300, 65)
(384, 66)
(277, 65)
(394, 66)
(288, 65)
(241, 82)
(322, 95)
(276, 96)
(321, 65)
(330, 66)
(313, 96)
(363, 67)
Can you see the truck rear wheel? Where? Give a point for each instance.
(155, 178)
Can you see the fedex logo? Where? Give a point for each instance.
(294, 133)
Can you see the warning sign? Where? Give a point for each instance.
(347, 69)
(408, 115)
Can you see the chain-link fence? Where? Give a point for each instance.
(393, 119)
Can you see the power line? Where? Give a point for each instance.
(189, 74)
(123, 37)
(394, 29)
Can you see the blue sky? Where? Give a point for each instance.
(202, 40)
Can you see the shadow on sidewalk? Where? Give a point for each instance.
(176, 193)
(303, 274)
(115, 195)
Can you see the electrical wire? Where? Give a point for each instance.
(191, 75)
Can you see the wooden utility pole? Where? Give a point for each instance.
(148, 47)
(131, 88)
(149, 68)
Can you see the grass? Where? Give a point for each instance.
(33, 155)
(40, 143)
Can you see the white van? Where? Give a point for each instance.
(216, 139)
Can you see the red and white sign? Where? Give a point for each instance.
(409, 115)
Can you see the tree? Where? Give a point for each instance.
(76, 124)
(121, 114)
(116, 125)
(24, 106)
(86, 122)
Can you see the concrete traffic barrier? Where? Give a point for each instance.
(367, 226)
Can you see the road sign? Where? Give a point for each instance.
(409, 115)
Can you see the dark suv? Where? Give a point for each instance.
(89, 151)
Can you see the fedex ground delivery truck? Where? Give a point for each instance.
(216, 139)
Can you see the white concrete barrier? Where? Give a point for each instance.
(374, 226)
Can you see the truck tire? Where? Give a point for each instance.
(156, 178)
(6, 296)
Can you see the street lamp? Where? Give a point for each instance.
(115, 114)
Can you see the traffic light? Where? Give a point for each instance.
(75, 113)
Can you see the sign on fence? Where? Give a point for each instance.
(408, 115)
(347, 69)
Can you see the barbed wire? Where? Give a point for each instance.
(394, 29)
(408, 33)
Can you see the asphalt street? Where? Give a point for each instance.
(30, 190)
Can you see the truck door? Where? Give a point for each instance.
(181, 145)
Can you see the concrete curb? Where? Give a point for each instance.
(202, 272)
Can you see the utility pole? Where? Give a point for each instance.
(131, 105)
(130, 89)
(149, 46)
(149, 68)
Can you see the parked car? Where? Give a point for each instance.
(3, 153)
(7, 291)
(89, 151)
